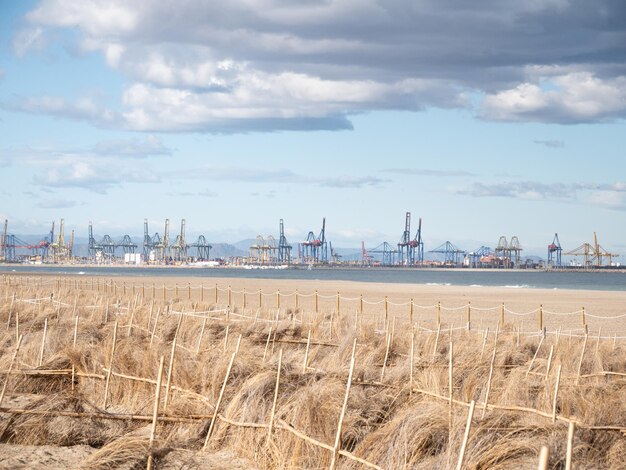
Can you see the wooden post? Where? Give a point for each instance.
(8, 376)
(482, 350)
(296, 301)
(450, 383)
(493, 360)
(176, 291)
(540, 317)
(570, 447)
(535, 356)
(316, 302)
(108, 378)
(436, 341)
(169, 374)
(469, 316)
(216, 293)
(75, 331)
(229, 296)
(549, 361)
(470, 415)
(411, 360)
(582, 355)
(267, 343)
(411, 312)
(163, 292)
(277, 298)
(219, 401)
(202, 292)
(271, 426)
(155, 414)
(43, 341)
(201, 335)
(582, 313)
(153, 291)
(306, 353)
(544, 455)
(244, 300)
(438, 313)
(556, 392)
(382, 373)
(156, 322)
(343, 410)
(338, 304)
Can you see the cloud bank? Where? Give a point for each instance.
(271, 65)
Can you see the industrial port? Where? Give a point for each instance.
(174, 248)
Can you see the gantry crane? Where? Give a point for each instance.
(554, 252)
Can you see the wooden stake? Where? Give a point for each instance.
(556, 392)
(280, 363)
(438, 313)
(8, 376)
(382, 373)
(436, 340)
(155, 415)
(540, 317)
(468, 426)
(43, 341)
(130, 322)
(226, 338)
(570, 446)
(343, 410)
(11, 310)
(535, 356)
(156, 322)
(169, 374)
(493, 360)
(316, 302)
(75, 330)
(502, 315)
(549, 362)
(450, 383)
(108, 379)
(306, 353)
(469, 316)
(411, 359)
(482, 350)
(544, 455)
(582, 355)
(219, 401)
(267, 343)
(201, 335)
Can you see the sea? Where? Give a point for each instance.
(514, 279)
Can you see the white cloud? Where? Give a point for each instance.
(573, 97)
(287, 64)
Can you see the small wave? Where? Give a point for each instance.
(438, 284)
(476, 285)
(518, 286)
(81, 272)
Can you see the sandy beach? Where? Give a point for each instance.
(560, 308)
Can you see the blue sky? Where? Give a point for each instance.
(485, 120)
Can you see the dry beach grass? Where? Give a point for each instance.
(85, 379)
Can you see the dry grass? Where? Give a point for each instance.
(384, 423)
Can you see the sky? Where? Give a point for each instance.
(484, 118)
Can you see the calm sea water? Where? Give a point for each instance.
(604, 280)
